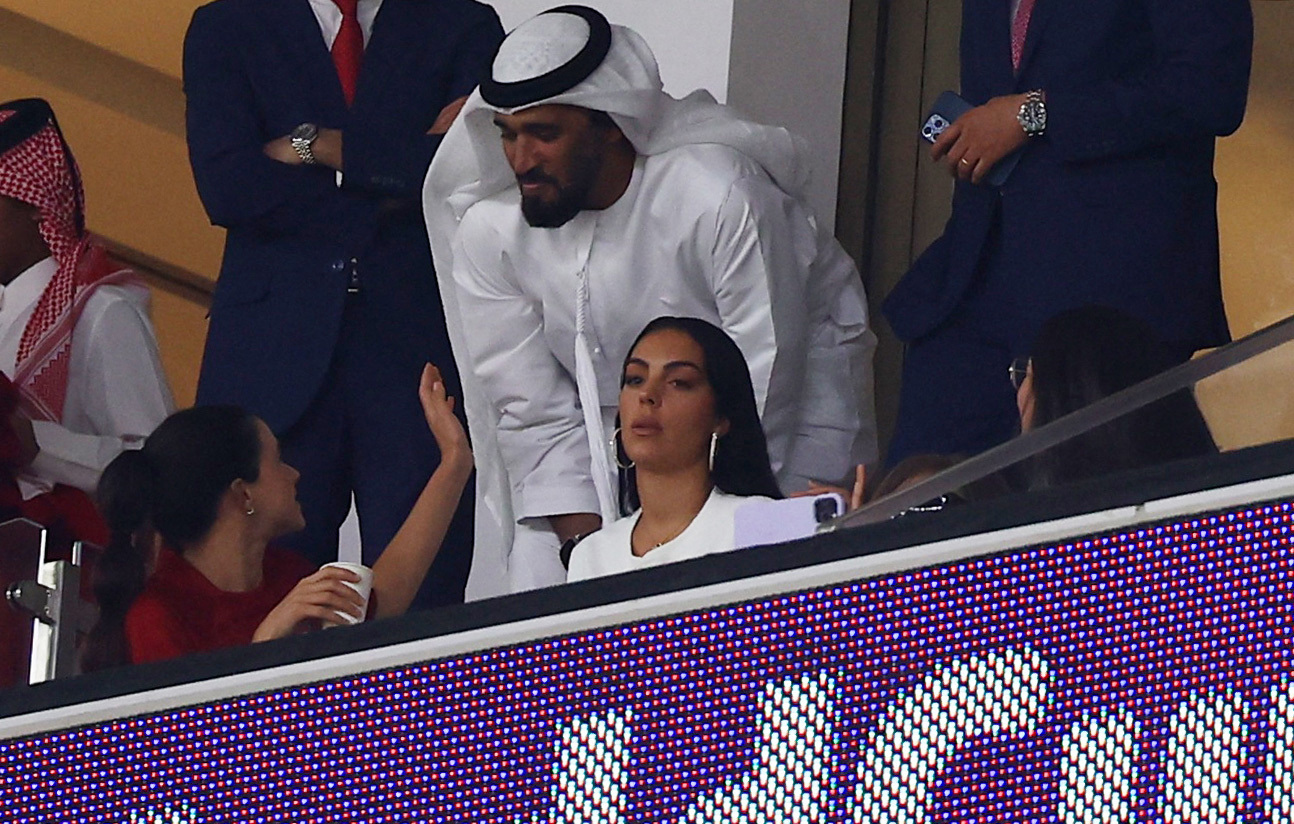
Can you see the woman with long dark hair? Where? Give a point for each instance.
(192, 565)
(1083, 355)
(690, 447)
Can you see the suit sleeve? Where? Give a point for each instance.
(540, 426)
(390, 164)
(1196, 85)
(238, 184)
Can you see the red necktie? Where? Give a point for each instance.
(348, 48)
(1019, 29)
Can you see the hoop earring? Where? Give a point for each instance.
(251, 510)
(614, 443)
(714, 447)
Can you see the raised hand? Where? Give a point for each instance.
(438, 408)
(399, 570)
(853, 497)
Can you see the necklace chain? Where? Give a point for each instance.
(661, 543)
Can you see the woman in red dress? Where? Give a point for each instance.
(192, 566)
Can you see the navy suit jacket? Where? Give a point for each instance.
(1116, 204)
(255, 69)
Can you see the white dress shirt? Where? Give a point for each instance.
(116, 391)
(329, 17)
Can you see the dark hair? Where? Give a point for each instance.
(172, 487)
(601, 120)
(1089, 353)
(741, 465)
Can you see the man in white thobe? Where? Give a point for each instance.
(75, 338)
(573, 202)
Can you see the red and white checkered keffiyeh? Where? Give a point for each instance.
(41, 172)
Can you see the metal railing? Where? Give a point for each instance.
(1036, 441)
(59, 615)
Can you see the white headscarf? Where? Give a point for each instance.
(470, 166)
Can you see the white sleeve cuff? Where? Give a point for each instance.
(545, 500)
(73, 458)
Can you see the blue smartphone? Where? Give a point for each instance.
(948, 107)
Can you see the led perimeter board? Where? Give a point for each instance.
(1137, 673)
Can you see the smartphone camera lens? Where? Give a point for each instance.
(824, 509)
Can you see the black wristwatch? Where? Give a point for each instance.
(568, 546)
(303, 140)
(1033, 114)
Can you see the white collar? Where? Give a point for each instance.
(27, 288)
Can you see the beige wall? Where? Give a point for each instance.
(1255, 169)
(147, 32)
(181, 325)
(1254, 403)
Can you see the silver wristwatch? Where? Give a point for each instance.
(1033, 114)
(303, 140)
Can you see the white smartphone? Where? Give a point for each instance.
(790, 519)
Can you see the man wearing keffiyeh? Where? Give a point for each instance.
(81, 376)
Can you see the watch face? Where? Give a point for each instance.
(1033, 116)
(306, 131)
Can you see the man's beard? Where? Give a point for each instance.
(571, 199)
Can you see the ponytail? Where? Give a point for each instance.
(126, 493)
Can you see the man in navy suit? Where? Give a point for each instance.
(1115, 106)
(311, 124)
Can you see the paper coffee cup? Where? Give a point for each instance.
(364, 586)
